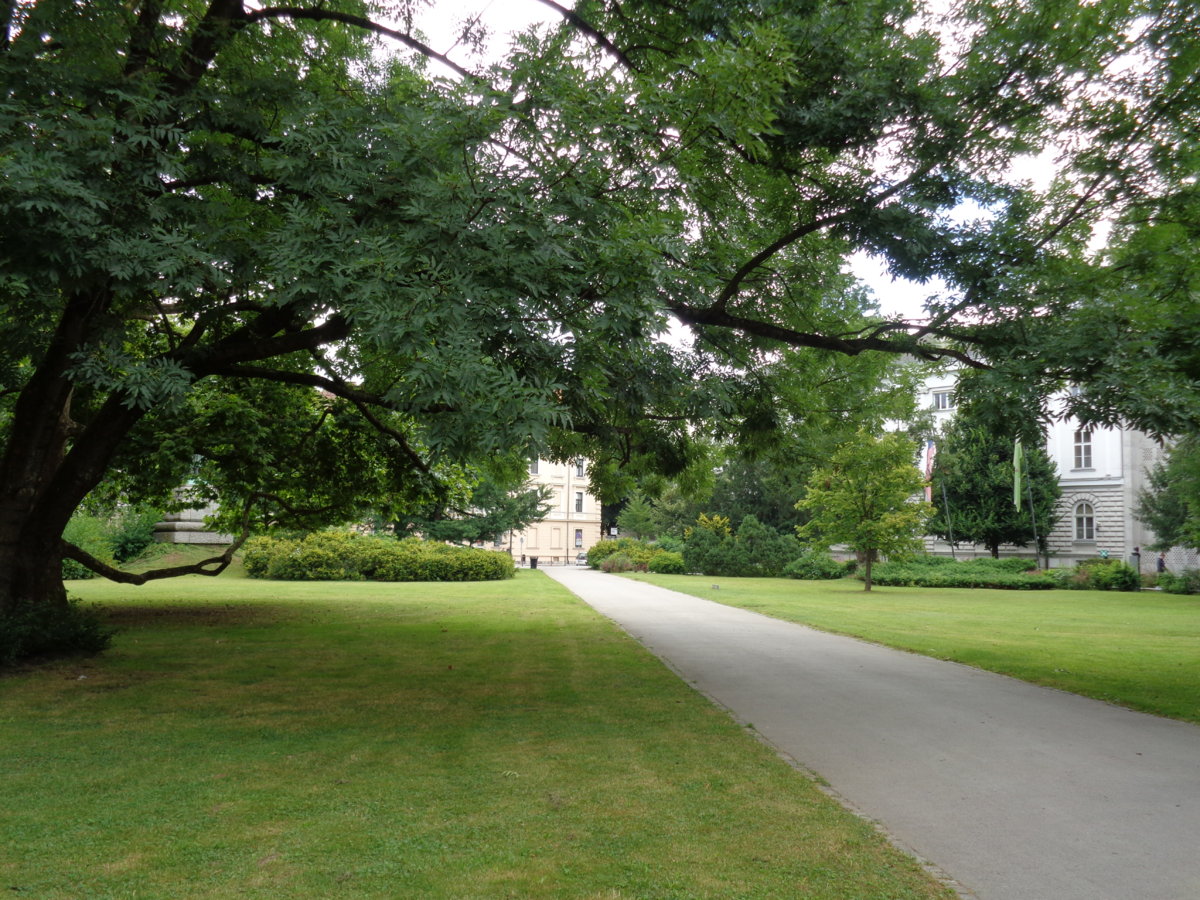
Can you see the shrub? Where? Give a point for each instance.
(1100, 575)
(667, 563)
(87, 533)
(51, 631)
(932, 571)
(620, 562)
(131, 531)
(756, 551)
(638, 551)
(343, 556)
(815, 566)
(1186, 582)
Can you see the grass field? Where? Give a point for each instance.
(1140, 650)
(256, 739)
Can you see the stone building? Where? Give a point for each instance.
(1101, 472)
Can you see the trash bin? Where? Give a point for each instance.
(533, 562)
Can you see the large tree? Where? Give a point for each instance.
(214, 211)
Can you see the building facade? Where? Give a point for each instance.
(1101, 472)
(571, 526)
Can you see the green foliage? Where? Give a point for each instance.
(35, 631)
(1100, 575)
(131, 531)
(494, 505)
(637, 519)
(242, 247)
(972, 482)
(638, 552)
(345, 556)
(667, 563)
(755, 551)
(88, 533)
(934, 571)
(866, 498)
(1170, 504)
(621, 562)
(1186, 582)
(815, 565)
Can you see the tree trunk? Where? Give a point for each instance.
(867, 572)
(31, 567)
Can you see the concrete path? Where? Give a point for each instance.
(1016, 792)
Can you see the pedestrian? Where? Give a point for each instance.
(1162, 563)
(1135, 559)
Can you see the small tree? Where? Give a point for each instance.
(637, 519)
(867, 498)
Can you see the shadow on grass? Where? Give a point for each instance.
(135, 615)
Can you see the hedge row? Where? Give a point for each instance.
(344, 556)
(933, 571)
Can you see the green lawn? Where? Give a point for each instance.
(257, 739)
(1140, 650)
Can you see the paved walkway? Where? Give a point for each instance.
(1015, 791)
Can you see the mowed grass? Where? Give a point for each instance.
(1140, 650)
(257, 739)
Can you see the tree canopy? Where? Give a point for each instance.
(244, 244)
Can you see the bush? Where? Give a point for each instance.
(131, 531)
(815, 566)
(1186, 582)
(1100, 575)
(667, 563)
(639, 552)
(932, 571)
(756, 551)
(87, 533)
(619, 562)
(51, 631)
(343, 556)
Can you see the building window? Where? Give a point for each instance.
(578, 537)
(498, 540)
(533, 467)
(1083, 449)
(943, 400)
(579, 468)
(1085, 522)
(579, 501)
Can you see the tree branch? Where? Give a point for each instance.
(583, 27)
(320, 14)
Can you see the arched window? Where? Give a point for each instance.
(1085, 522)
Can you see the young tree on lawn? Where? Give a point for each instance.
(869, 498)
(213, 206)
(972, 485)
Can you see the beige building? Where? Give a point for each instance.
(571, 526)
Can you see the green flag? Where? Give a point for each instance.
(1018, 464)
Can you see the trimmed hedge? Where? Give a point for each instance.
(344, 556)
(934, 571)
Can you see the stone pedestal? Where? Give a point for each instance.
(187, 527)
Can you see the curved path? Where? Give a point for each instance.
(1017, 792)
